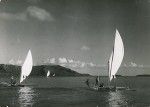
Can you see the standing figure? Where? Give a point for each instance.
(96, 81)
(87, 82)
(12, 81)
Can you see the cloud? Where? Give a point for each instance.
(91, 64)
(133, 64)
(85, 48)
(74, 63)
(82, 64)
(31, 11)
(19, 62)
(63, 64)
(62, 60)
(78, 64)
(13, 62)
(52, 60)
(39, 13)
(71, 63)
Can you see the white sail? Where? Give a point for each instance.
(48, 73)
(116, 56)
(27, 67)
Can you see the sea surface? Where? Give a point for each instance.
(73, 92)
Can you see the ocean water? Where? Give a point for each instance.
(73, 92)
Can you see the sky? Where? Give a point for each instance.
(78, 34)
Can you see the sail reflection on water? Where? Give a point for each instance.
(26, 96)
(116, 99)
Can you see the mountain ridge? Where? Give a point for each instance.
(39, 70)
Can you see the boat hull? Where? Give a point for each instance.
(19, 85)
(96, 88)
(108, 88)
(4, 84)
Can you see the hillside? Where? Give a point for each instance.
(40, 70)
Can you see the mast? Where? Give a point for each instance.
(108, 74)
(110, 63)
(112, 60)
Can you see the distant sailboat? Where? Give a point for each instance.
(48, 73)
(53, 75)
(27, 67)
(98, 79)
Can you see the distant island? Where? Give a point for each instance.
(143, 75)
(39, 70)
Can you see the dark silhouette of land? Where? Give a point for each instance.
(143, 75)
(39, 70)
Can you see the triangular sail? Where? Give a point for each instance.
(48, 73)
(116, 56)
(27, 67)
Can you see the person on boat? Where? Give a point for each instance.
(101, 85)
(12, 81)
(87, 82)
(96, 81)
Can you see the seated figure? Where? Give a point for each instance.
(101, 85)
